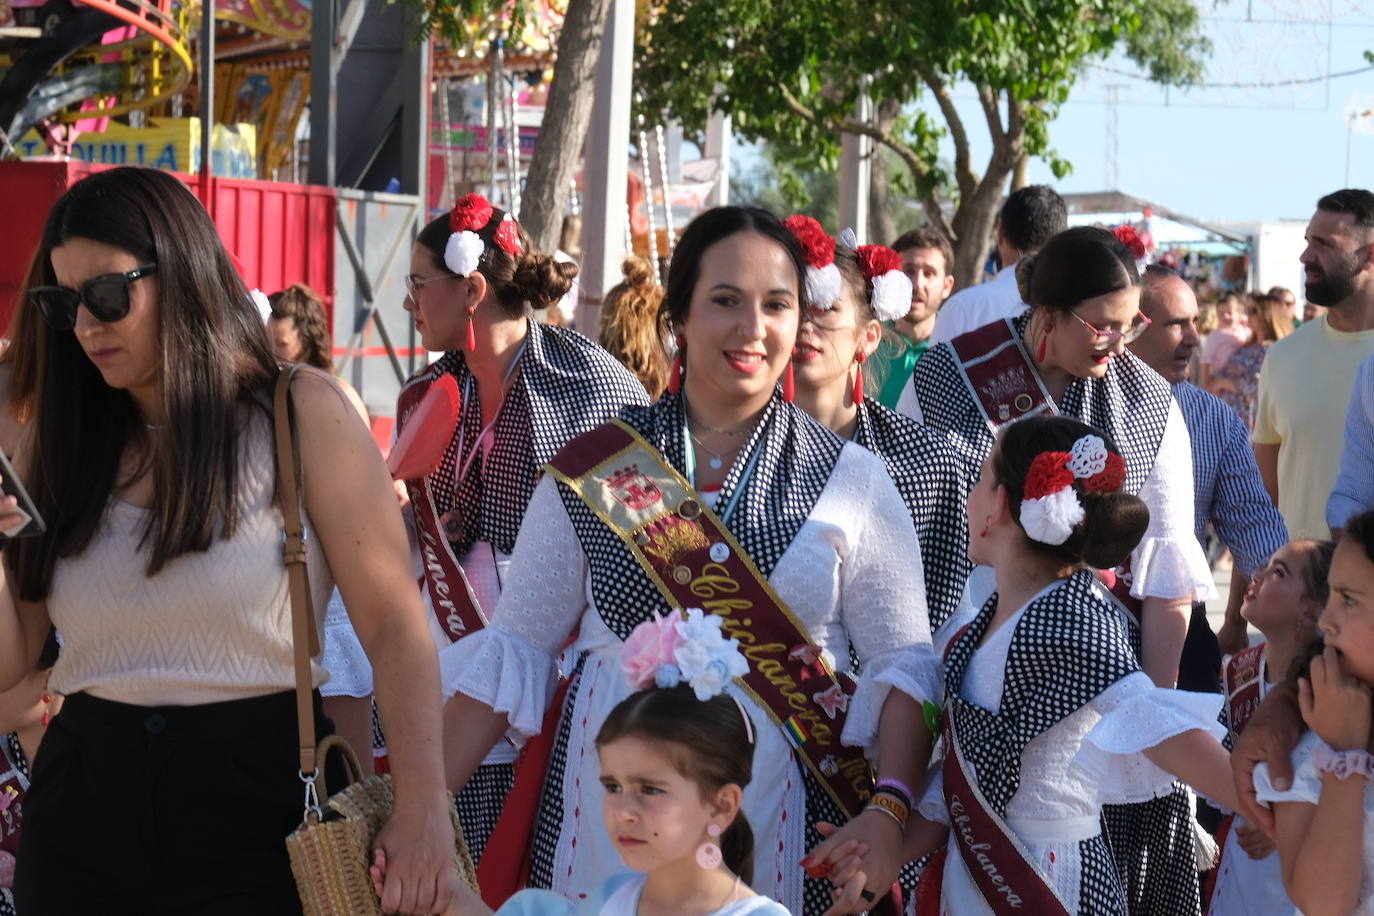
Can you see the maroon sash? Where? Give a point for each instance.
(695, 561)
(999, 374)
(446, 585)
(1243, 686)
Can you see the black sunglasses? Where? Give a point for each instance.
(105, 296)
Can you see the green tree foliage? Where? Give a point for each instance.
(789, 71)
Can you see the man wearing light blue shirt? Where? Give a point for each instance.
(1354, 490)
(1227, 488)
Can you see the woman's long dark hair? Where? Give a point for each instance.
(708, 740)
(214, 359)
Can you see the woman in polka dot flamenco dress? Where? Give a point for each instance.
(522, 390)
(853, 288)
(1047, 714)
(726, 496)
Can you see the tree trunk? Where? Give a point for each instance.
(882, 229)
(566, 116)
(1021, 177)
(977, 212)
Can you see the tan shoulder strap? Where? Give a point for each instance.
(304, 639)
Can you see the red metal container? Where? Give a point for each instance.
(280, 233)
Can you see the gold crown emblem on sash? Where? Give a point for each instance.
(675, 540)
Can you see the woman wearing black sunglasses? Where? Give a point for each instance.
(168, 782)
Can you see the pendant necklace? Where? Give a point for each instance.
(716, 462)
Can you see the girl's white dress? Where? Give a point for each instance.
(1307, 787)
(618, 896)
(1091, 758)
(852, 575)
(1246, 886)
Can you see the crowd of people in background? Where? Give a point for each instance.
(808, 586)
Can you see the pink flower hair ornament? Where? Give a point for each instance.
(668, 651)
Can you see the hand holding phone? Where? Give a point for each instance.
(19, 516)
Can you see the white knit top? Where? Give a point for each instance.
(208, 627)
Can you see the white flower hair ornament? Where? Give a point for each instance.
(889, 287)
(668, 651)
(464, 249)
(261, 303)
(823, 281)
(1050, 507)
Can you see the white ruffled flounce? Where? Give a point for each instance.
(914, 670)
(350, 672)
(1111, 755)
(507, 674)
(1169, 568)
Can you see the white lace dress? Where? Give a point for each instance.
(1307, 788)
(1091, 758)
(852, 575)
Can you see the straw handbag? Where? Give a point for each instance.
(332, 848)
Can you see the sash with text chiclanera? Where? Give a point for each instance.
(695, 561)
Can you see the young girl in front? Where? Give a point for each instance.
(1323, 823)
(1283, 602)
(675, 758)
(1047, 713)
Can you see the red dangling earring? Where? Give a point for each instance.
(675, 376)
(47, 711)
(858, 393)
(472, 331)
(789, 384)
(1040, 352)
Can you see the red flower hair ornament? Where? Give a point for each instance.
(889, 288)
(1135, 244)
(470, 215)
(1051, 509)
(822, 276)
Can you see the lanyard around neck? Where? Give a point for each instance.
(691, 463)
(464, 464)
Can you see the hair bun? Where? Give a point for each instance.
(1113, 525)
(541, 280)
(638, 273)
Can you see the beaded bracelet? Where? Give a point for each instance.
(1343, 764)
(890, 806)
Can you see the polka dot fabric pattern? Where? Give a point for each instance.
(548, 823)
(795, 456)
(1100, 893)
(567, 385)
(1152, 845)
(1069, 647)
(926, 470)
(480, 802)
(1131, 403)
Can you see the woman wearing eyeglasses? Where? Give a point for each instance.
(1068, 355)
(526, 390)
(170, 778)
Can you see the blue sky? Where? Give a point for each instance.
(1228, 152)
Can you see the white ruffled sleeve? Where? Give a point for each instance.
(1136, 716)
(350, 673)
(1169, 562)
(883, 602)
(1307, 780)
(512, 665)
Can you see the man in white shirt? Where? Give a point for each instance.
(1029, 218)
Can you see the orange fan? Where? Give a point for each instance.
(428, 431)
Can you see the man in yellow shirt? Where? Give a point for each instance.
(1307, 376)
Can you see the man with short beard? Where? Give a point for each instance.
(928, 261)
(1306, 377)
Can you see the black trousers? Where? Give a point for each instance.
(164, 811)
(1199, 667)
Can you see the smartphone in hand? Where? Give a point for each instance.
(11, 485)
